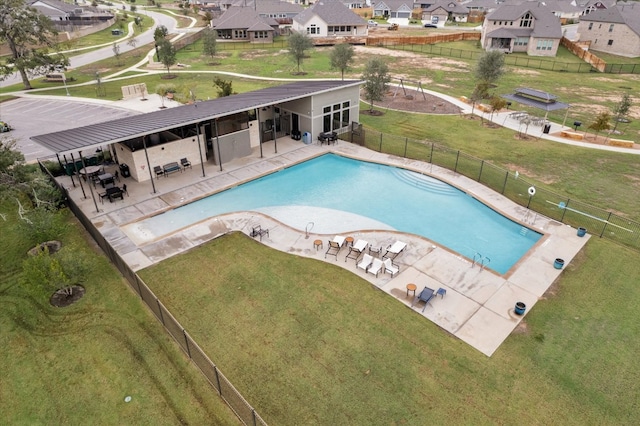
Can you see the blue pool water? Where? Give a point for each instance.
(391, 197)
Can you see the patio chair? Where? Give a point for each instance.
(365, 262)
(339, 239)
(257, 231)
(333, 250)
(425, 296)
(185, 163)
(356, 250)
(375, 266)
(158, 171)
(394, 250)
(390, 267)
(124, 189)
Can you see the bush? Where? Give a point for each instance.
(43, 224)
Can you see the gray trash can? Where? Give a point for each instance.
(306, 138)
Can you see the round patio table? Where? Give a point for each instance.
(90, 170)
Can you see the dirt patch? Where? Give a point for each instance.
(67, 296)
(415, 101)
(413, 60)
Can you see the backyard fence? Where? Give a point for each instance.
(245, 412)
(538, 201)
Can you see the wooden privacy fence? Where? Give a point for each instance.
(584, 54)
(432, 39)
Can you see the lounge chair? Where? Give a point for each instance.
(375, 267)
(394, 250)
(356, 250)
(257, 231)
(339, 239)
(158, 170)
(390, 267)
(425, 296)
(365, 262)
(333, 249)
(185, 163)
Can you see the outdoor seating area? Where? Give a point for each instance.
(425, 296)
(327, 137)
(169, 168)
(356, 250)
(113, 193)
(394, 250)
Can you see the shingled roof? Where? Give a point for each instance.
(546, 25)
(331, 12)
(242, 18)
(628, 14)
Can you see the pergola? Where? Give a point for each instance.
(538, 99)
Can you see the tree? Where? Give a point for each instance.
(490, 67)
(209, 42)
(601, 122)
(621, 110)
(116, 52)
(224, 87)
(159, 34)
(480, 92)
(299, 43)
(376, 80)
(162, 90)
(167, 54)
(28, 34)
(342, 57)
(207, 17)
(132, 41)
(496, 103)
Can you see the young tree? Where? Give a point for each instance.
(209, 42)
(207, 17)
(162, 90)
(159, 34)
(299, 43)
(132, 41)
(496, 103)
(621, 110)
(342, 57)
(224, 87)
(116, 53)
(167, 54)
(28, 34)
(480, 92)
(490, 67)
(601, 122)
(376, 80)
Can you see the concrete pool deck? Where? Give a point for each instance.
(478, 307)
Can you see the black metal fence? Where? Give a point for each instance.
(536, 200)
(245, 412)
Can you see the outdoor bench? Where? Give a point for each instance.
(170, 168)
(621, 142)
(571, 135)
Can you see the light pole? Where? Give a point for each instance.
(64, 80)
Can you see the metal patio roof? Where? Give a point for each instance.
(536, 98)
(96, 135)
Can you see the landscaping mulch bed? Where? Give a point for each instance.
(414, 100)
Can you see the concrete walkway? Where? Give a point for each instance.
(478, 307)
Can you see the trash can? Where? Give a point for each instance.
(582, 231)
(306, 138)
(520, 308)
(546, 129)
(124, 170)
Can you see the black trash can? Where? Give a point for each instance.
(124, 170)
(546, 129)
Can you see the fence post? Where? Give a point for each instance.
(215, 370)
(455, 169)
(431, 154)
(160, 310)
(253, 415)
(480, 174)
(564, 211)
(380, 148)
(406, 141)
(605, 225)
(186, 341)
(504, 185)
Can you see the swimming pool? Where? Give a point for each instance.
(342, 195)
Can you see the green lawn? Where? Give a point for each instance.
(307, 342)
(77, 364)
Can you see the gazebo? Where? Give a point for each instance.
(538, 99)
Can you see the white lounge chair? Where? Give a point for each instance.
(390, 267)
(365, 262)
(394, 250)
(356, 250)
(375, 267)
(339, 239)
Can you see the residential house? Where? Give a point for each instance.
(245, 24)
(615, 30)
(329, 18)
(282, 11)
(529, 27)
(589, 6)
(566, 11)
(395, 11)
(63, 14)
(445, 10)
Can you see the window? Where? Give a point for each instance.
(611, 28)
(610, 43)
(521, 41)
(336, 116)
(544, 45)
(526, 20)
(312, 29)
(590, 25)
(239, 34)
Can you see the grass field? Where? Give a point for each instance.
(311, 343)
(77, 364)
